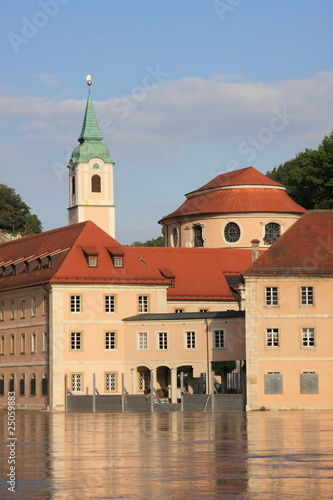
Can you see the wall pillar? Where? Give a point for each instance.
(173, 385)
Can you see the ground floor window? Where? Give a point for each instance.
(44, 385)
(309, 382)
(76, 382)
(33, 387)
(111, 381)
(144, 381)
(273, 383)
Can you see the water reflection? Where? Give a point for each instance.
(263, 455)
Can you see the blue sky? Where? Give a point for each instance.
(183, 90)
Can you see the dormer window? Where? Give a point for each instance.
(91, 255)
(118, 261)
(92, 261)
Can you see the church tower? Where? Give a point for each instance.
(91, 176)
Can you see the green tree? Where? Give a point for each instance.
(15, 216)
(157, 242)
(309, 176)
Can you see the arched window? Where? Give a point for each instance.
(232, 232)
(197, 236)
(175, 237)
(272, 233)
(95, 184)
(73, 185)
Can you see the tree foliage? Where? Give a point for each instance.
(15, 216)
(157, 242)
(309, 176)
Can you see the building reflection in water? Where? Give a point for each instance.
(262, 455)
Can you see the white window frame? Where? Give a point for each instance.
(219, 342)
(142, 341)
(75, 304)
(307, 295)
(110, 304)
(110, 341)
(272, 340)
(162, 341)
(271, 296)
(308, 337)
(76, 341)
(190, 339)
(143, 304)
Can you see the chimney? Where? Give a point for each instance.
(255, 249)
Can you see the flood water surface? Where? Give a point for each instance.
(260, 455)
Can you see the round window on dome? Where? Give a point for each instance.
(232, 232)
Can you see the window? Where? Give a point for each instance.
(232, 232)
(110, 303)
(203, 310)
(144, 381)
(190, 340)
(162, 340)
(22, 343)
(272, 337)
(271, 296)
(76, 341)
(309, 382)
(22, 308)
(197, 236)
(12, 382)
(111, 381)
(118, 262)
(218, 339)
(44, 385)
(175, 237)
(143, 340)
(33, 342)
(178, 311)
(273, 383)
(45, 341)
(12, 310)
(12, 344)
(110, 340)
(307, 295)
(73, 185)
(92, 261)
(272, 233)
(75, 303)
(308, 337)
(2, 311)
(2, 344)
(2, 385)
(45, 305)
(33, 385)
(22, 384)
(95, 184)
(76, 382)
(33, 306)
(143, 303)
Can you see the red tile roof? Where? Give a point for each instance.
(248, 176)
(200, 273)
(307, 247)
(242, 191)
(238, 200)
(65, 248)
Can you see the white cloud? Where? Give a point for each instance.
(49, 80)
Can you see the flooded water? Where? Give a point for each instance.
(262, 455)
